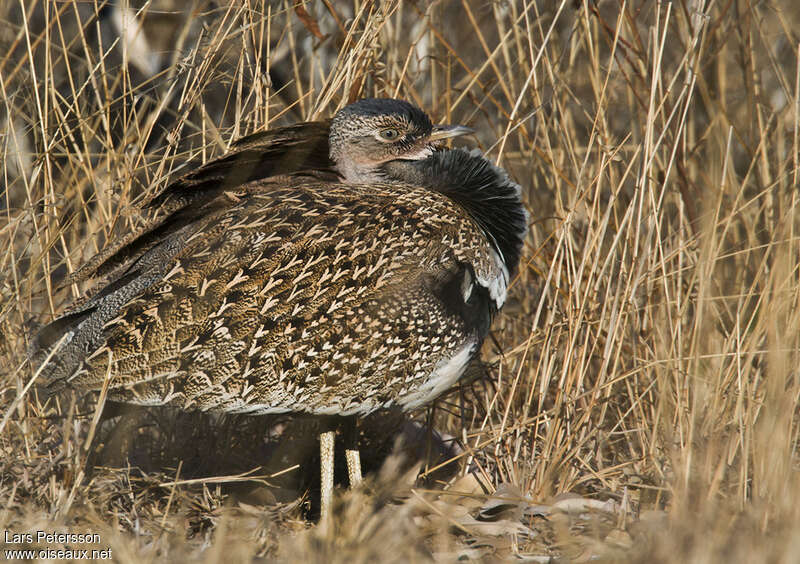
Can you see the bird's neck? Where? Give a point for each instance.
(401, 170)
(359, 173)
(407, 171)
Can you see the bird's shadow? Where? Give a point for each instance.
(278, 453)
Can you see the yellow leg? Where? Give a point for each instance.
(351, 453)
(353, 466)
(326, 468)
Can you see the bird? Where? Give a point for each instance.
(331, 268)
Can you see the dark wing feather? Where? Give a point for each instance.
(297, 148)
(285, 150)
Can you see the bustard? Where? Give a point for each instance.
(328, 268)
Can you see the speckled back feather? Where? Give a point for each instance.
(300, 296)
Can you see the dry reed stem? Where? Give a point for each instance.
(647, 358)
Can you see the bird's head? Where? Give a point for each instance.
(371, 132)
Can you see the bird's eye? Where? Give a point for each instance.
(389, 134)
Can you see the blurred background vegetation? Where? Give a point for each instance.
(638, 396)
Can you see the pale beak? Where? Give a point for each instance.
(447, 131)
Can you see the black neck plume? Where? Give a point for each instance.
(487, 194)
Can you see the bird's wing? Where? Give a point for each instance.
(288, 283)
(275, 152)
(282, 151)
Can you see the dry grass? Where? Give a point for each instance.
(640, 395)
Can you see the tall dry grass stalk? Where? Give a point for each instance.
(647, 363)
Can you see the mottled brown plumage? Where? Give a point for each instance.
(294, 299)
